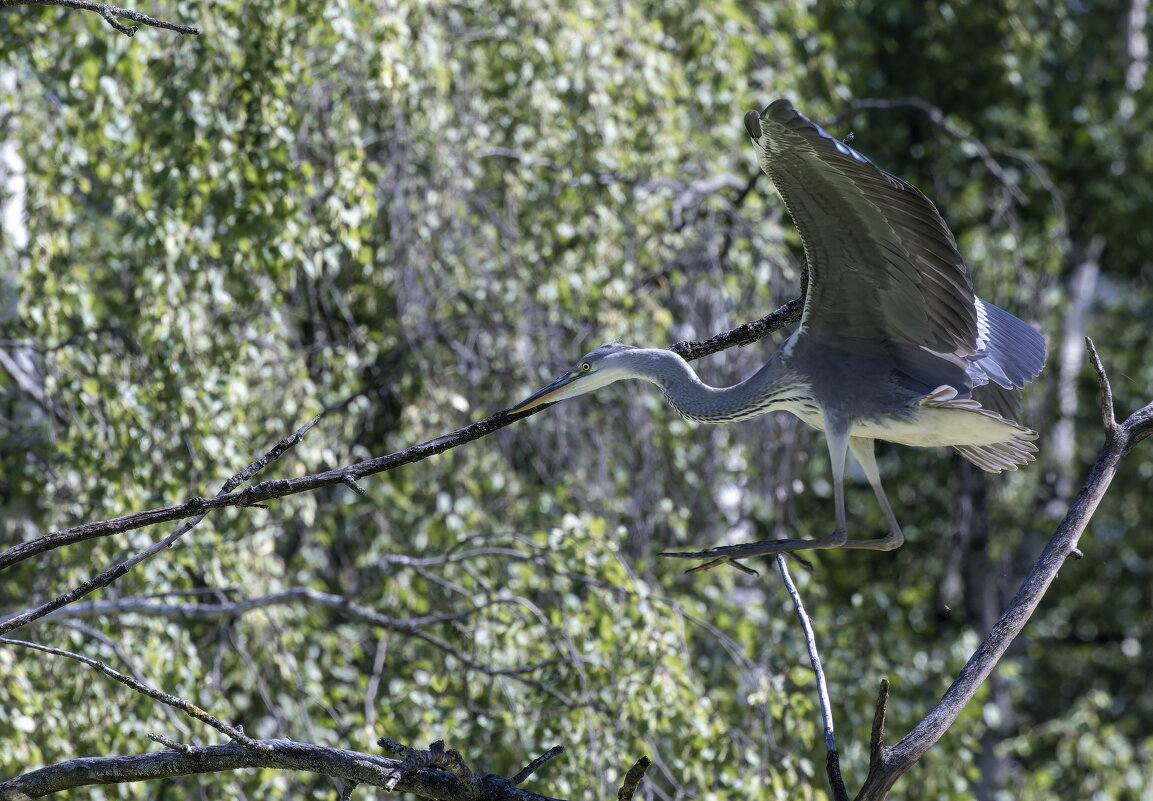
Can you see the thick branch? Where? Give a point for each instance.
(109, 13)
(900, 757)
(269, 490)
(352, 766)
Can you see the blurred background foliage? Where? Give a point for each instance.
(408, 215)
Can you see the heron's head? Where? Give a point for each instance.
(596, 369)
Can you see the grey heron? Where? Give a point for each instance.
(892, 343)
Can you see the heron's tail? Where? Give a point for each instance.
(1000, 455)
(1013, 447)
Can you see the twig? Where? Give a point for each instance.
(116, 571)
(350, 482)
(183, 748)
(187, 707)
(393, 747)
(109, 13)
(227, 611)
(832, 758)
(877, 736)
(633, 779)
(533, 766)
(412, 627)
(268, 490)
(1105, 393)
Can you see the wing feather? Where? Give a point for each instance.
(882, 263)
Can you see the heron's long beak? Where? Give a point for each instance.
(549, 394)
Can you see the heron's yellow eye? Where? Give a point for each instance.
(586, 366)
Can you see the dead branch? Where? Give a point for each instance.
(184, 760)
(889, 763)
(633, 779)
(228, 610)
(832, 756)
(187, 707)
(410, 627)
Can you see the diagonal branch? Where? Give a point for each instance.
(269, 490)
(110, 15)
(896, 760)
(187, 707)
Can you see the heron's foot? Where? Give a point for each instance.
(892, 541)
(805, 563)
(802, 561)
(729, 554)
(709, 565)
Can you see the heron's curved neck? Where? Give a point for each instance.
(770, 388)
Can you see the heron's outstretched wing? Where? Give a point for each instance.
(882, 263)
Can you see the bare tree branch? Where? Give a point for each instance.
(411, 627)
(535, 765)
(832, 757)
(353, 766)
(110, 14)
(269, 490)
(897, 759)
(877, 736)
(187, 707)
(633, 779)
(224, 610)
(1105, 398)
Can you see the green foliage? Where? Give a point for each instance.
(408, 216)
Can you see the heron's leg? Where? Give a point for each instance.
(837, 430)
(862, 448)
(837, 436)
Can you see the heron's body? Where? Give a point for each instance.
(892, 345)
(923, 420)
